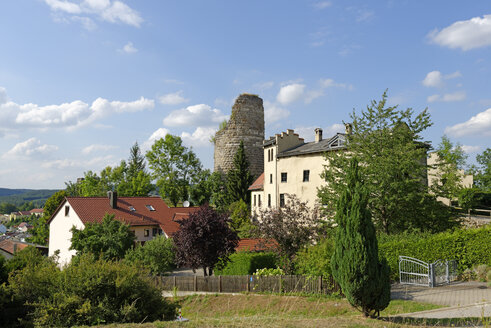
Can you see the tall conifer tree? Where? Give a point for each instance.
(355, 264)
(239, 178)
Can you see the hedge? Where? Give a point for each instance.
(469, 247)
(243, 263)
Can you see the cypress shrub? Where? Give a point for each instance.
(355, 263)
(244, 263)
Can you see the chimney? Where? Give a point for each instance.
(349, 128)
(113, 199)
(318, 135)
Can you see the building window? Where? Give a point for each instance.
(254, 200)
(150, 207)
(282, 200)
(270, 178)
(67, 210)
(283, 176)
(155, 231)
(269, 200)
(258, 200)
(306, 174)
(269, 155)
(146, 233)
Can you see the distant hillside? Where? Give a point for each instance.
(20, 196)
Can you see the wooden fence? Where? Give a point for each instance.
(249, 283)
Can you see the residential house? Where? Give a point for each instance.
(23, 226)
(37, 211)
(293, 166)
(9, 247)
(434, 176)
(147, 217)
(19, 214)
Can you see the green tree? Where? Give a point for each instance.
(388, 145)
(240, 219)
(219, 197)
(7, 208)
(157, 255)
(364, 280)
(239, 178)
(449, 167)
(200, 193)
(175, 167)
(482, 173)
(292, 226)
(108, 240)
(53, 202)
(468, 199)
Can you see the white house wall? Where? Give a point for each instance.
(60, 237)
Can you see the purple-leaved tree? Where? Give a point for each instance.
(203, 239)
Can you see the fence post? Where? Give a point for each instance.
(431, 274)
(320, 284)
(219, 284)
(248, 283)
(446, 272)
(174, 282)
(195, 283)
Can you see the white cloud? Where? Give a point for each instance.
(158, 134)
(470, 149)
(273, 113)
(448, 97)
(89, 164)
(29, 148)
(96, 148)
(313, 94)
(329, 83)
(86, 22)
(106, 10)
(175, 98)
(67, 115)
(200, 137)
(290, 93)
(466, 35)
(478, 125)
(433, 79)
(3, 95)
(322, 4)
(196, 115)
(129, 48)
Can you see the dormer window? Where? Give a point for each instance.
(132, 209)
(150, 207)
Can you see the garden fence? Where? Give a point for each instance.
(249, 283)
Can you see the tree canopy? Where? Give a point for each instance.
(388, 144)
(157, 255)
(175, 167)
(107, 240)
(203, 239)
(482, 173)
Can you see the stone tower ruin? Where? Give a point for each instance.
(246, 123)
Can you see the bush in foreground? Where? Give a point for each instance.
(86, 292)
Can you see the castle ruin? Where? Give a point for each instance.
(246, 123)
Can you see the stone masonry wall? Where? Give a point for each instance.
(246, 123)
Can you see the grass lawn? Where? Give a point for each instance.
(256, 310)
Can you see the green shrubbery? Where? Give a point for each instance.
(157, 255)
(469, 247)
(243, 263)
(315, 260)
(86, 292)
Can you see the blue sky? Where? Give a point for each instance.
(81, 81)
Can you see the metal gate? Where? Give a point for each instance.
(416, 272)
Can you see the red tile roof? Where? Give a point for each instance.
(7, 245)
(93, 209)
(37, 210)
(258, 184)
(255, 245)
